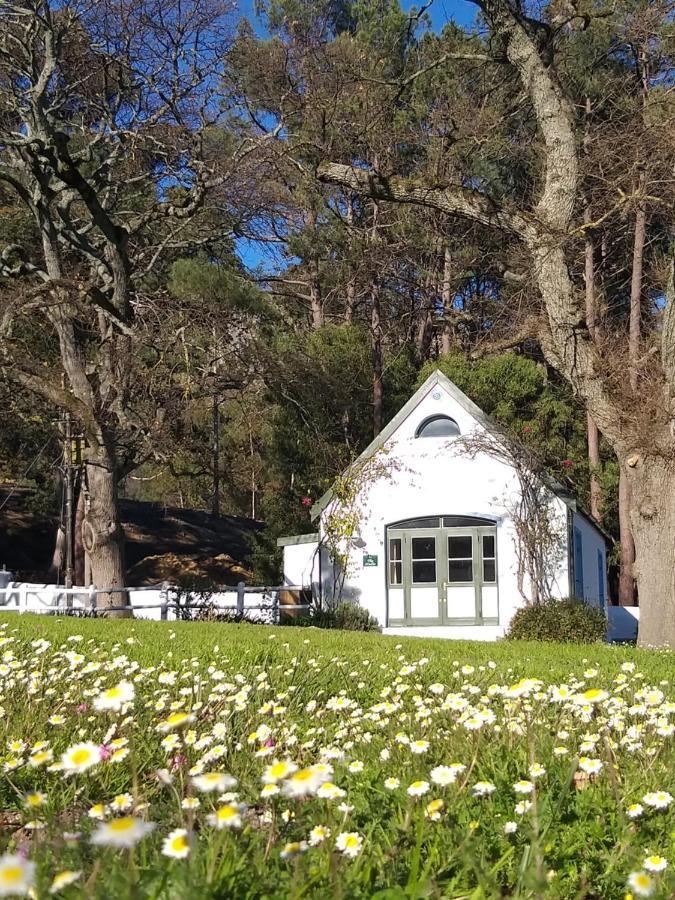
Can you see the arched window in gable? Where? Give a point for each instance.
(437, 426)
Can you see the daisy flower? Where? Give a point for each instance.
(658, 799)
(80, 757)
(349, 843)
(330, 791)
(445, 775)
(34, 799)
(318, 835)
(641, 884)
(483, 789)
(278, 770)
(434, 809)
(392, 783)
(294, 848)
(635, 810)
(114, 698)
(655, 863)
(227, 816)
(214, 781)
(17, 875)
(590, 766)
(62, 880)
(175, 721)
(304, 782)
(124, 832)
(176, 844)
(418, 788)
(523, 787)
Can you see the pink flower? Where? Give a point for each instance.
(568, 463)
(527, 429)
(306, 501)
(104, 750)
(178, 761)
(82, 708)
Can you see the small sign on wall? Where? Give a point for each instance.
(369, 559)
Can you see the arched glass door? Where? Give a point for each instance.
(442, 570)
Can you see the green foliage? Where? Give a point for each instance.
(346, 617)
(201, 279)
(559, 621)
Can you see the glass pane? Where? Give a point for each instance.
(489, 572)
(460, 570)
(424, 548)
(395, 573)
(460, 547)
(465, 521)
(424, 572)
(438, 426)
(425, 522)
(489, 546)
(395, 549)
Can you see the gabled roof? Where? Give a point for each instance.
(438, 378)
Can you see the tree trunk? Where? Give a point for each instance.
(215, 455)
(651, 480)
(626, 544)
(446, 334)
(592, 431)
(636, 288)
(376, 337)
(102, 532)
(78, 547)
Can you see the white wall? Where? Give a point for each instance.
(428, 476)
(301, 564)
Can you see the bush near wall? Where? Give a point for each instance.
(566, 621)
(344, 617)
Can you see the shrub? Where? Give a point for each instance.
(345, 616)
(566, 621)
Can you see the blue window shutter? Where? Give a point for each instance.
(578, 565)
(601, 577)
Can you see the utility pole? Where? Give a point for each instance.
(68, 486)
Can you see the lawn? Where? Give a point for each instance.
(183, 760)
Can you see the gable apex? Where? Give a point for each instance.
(437, 378)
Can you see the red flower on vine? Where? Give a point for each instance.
(306, 501)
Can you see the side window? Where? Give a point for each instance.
(578, 565)
(601, 578)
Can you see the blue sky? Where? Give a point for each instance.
(441, 11)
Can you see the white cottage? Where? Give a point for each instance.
(433, 546)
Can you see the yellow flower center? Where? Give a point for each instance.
(12, 874)
(81, 756)
(126, 823)
(179, 843)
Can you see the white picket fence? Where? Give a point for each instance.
(164, 602)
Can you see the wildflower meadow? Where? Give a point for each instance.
(209, 760)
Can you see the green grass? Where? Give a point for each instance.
(259, 693)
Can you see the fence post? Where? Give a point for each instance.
(92, 600)
(240, 597)
(164, 598)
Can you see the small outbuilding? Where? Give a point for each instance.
(443, 528)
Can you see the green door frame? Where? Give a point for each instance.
(441, 535)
